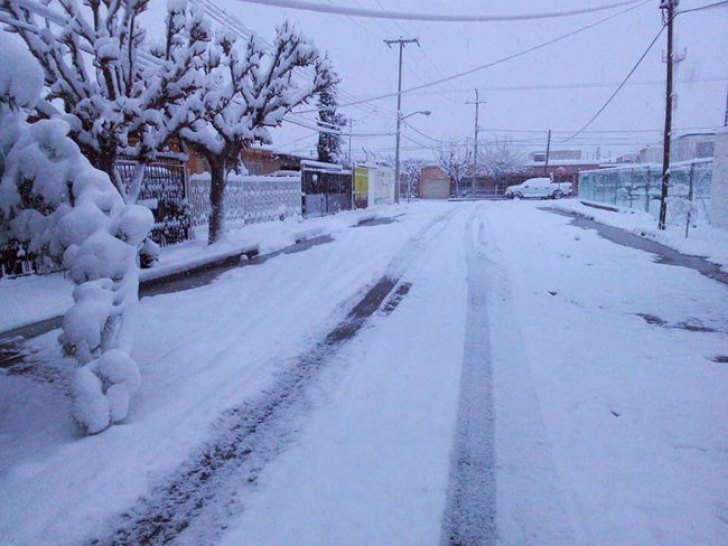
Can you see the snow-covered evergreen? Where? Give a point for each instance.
(329, 142)
(55, 202)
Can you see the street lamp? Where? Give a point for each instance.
(401, 118)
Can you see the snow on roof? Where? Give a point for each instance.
(562, 162)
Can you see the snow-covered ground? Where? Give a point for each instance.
(608, 396)
(39, 297)
(701, 240)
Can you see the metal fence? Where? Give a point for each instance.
(248, 199)
(640, 187)
(164, 191)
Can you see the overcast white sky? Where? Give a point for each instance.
(602, 55)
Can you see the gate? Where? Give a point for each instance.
(164, 191)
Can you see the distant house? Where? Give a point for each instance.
(683, 148)
(563, 166)
(257, 161)
(434, 183)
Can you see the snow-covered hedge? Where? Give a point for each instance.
(55, 202)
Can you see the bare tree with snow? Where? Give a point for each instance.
(501, 157)
(56, 203)
(245, 93)
(410, 172)
(116, 99)
(455, 160)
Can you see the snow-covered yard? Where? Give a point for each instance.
(605, 420)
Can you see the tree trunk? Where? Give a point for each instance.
(216, 221)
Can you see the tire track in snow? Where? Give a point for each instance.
(470, 513)
(195, 503)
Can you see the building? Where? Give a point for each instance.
(683, 148)
(257, 161)
(562, 166)
(434, 183)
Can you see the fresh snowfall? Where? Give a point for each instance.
(522, 381)
(445, 373)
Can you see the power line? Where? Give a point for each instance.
(619, 88)
(439, 18)
(233, 24)
(701, 8)
(496, 62)
(333, 131)
(588, 85)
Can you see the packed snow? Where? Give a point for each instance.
(608, 390)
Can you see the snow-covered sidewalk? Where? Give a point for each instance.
(34, 298)
(703, 240)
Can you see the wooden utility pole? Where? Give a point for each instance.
(548, 152)
(351, 125)
(668, 14)
(401, 42)
(475, 144)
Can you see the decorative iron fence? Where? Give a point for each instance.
(248, 199)
(164, 191)
(640, 187)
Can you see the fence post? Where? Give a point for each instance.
(690, 198)
(631, 187)
(648, 185)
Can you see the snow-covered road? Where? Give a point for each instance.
(524, 382)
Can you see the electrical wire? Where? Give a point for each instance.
(556, 86)
(701, 8)
(334, 132)
(496, 62)
(439, 18)
(233, 24)
(619, 88)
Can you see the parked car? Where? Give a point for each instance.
(539, 188)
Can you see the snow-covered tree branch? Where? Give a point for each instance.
(455, 160)
(410, 172)
(501, 157)
(116, 99)
(55, 202)
(246, 93)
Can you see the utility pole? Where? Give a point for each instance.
(668, 15)
(475, 148)
(725, 120)
(401, 42)
(548, 152)
(351, 124)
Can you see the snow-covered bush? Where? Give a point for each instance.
(55, 202)
(119, 96)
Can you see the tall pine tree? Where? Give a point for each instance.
(329, 143)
